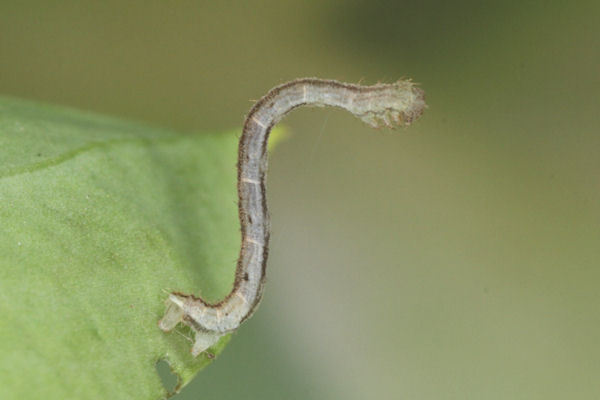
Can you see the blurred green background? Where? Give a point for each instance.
(458, 259)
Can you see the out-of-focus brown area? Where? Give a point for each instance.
(457, 259)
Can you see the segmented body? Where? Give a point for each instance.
(391, 105)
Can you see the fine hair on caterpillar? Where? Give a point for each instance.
(390, 105)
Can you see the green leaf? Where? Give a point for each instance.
(99, 218)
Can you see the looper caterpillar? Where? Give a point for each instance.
(394, 104)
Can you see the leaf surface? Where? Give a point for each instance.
(100, 217)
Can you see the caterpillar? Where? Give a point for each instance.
(391, 105)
